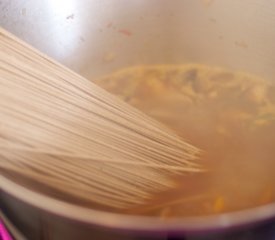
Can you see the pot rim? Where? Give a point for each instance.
(137, 223)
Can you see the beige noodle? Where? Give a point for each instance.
(63, 131)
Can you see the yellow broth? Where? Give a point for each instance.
(229, 115)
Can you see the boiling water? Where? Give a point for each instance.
(228, 115)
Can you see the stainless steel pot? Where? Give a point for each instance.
(95, 37)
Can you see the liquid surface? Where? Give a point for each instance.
(228, 115)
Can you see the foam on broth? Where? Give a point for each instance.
(228, 115)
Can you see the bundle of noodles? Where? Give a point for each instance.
(63, 131)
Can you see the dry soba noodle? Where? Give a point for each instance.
(62, 131)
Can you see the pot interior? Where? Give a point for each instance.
(95, 38)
